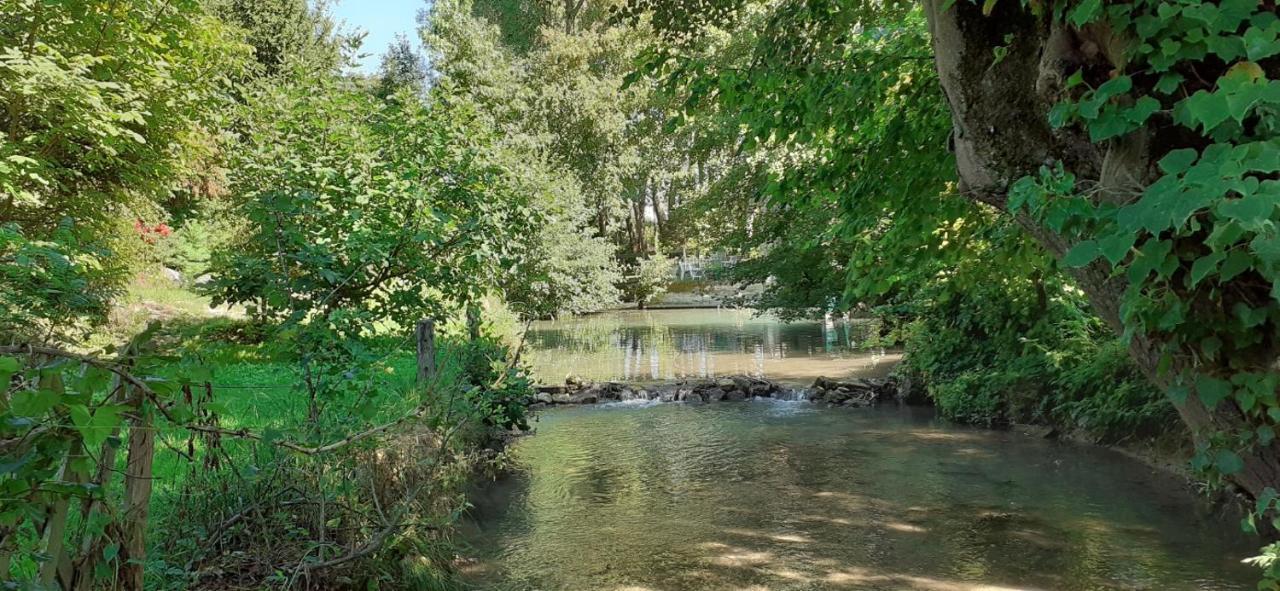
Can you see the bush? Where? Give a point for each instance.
(648, 278)
(1001, 353)
(497, 393)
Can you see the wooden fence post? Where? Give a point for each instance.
(426, 337)
(137, 499)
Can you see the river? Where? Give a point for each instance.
(642, 345)
(780, 496)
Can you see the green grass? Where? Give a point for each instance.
(258, 386)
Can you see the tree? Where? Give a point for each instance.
(403, 68)
(1161, 137)
(577, 271)
(383, 208)
(288, 37)
(106, 109)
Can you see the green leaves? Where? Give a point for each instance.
(34, 403)
(1212, 391)
(1204, 266)
(1085, 12)
(1178, 161)
(8, 367)
(1228, 462)
(1115, 247)
(95, 428)
(1083, 253)
(1205, 109)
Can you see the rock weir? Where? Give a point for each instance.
(853, 392)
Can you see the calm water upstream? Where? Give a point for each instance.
(668, 344)
(756, 496)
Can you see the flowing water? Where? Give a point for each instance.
(641, 345)
(755, 496)
(781, 496)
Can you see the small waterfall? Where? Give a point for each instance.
(792, 394)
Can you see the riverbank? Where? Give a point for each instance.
(367, 491)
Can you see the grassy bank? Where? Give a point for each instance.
(271, 485)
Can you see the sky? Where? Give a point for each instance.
(381, 19)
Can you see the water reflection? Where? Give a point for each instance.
(769, 496)
(670, 344)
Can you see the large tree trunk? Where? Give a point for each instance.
(1001, 133)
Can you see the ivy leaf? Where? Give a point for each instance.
(1212, 390)
(1266, 248)
(1115, 86)
(99, 427)
(33, 403)
(1085, 12)
(1265, 499)
(1260, 43)
(1237, 262)
(1206, 109)
(1178, 393)
(1111, 123)
(1075, 79)
(1251, 212)
(1204, 266)
(1082, 254)
(1169, 82)
(1228, 462)
(1115, 247)
(1178, 161)
(1210, 346)
(80, 415)
(1142, 110)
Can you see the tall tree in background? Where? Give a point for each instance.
(287, 36)
(402, 68)
(547, 140)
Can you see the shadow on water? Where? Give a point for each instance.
(786, 496)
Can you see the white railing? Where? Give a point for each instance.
(696, 267)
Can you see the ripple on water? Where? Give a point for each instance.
(789, 496)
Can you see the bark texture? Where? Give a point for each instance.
(1001, 133)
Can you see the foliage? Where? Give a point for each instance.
(64, 415)
(1166, 135)
(1194, 244)
(496, 391)
(823, 224)
(853, 200)
(576, 270)
(365, 211)
(51, 290)
(1029, 352)
(290, 38)
(557, 94)
(402, 68)
(333, 211)
(415, 474)
(649, 278)
(108, 107)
